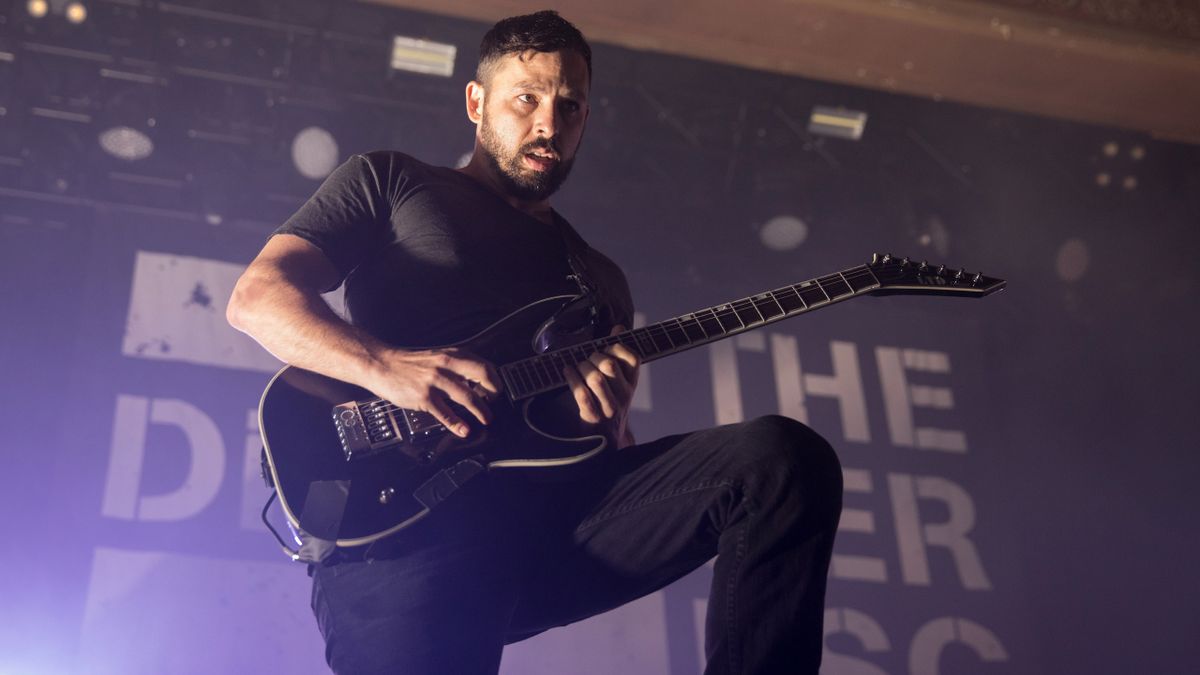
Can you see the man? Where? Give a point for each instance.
(430, 256)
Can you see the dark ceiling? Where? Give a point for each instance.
(1124, 63)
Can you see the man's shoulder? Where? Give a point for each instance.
(397, 162)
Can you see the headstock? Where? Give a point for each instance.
(903, 276)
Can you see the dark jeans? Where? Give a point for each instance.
(509, 556)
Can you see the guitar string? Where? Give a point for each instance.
(715, 312)
(733, 309)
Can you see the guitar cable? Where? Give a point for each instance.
(287, 550)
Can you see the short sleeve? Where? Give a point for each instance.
(348, 217)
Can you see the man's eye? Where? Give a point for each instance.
(526, 98)
(570, 106)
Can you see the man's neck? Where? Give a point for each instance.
(538, 209)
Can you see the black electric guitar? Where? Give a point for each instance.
(351, 468)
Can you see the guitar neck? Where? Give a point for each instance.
(542, 373)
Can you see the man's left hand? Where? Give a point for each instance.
(603, 387)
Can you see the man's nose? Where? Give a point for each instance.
(547, 122)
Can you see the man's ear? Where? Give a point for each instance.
(474, 101)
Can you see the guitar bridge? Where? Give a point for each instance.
(365, 429)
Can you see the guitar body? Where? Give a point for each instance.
(358, 499)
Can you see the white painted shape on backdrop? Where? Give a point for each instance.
(930, 640)
(863, 628)
(177, 313)
(901, 398)
(254, 491)
(206, 455)
(854, 567)
(912, 536)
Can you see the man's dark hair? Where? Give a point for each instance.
(543, 31)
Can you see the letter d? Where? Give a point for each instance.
(127, 457)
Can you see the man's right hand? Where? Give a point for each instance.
(428, 380)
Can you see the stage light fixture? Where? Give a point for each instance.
(783, 233)
(837, 122)
(126, 143)
(37, 8)
(423, 56)
(76, 13)
(314, 153)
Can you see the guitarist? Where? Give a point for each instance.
(430, 256)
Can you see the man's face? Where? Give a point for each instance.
(533, 114)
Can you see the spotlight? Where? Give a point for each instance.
(126, 143)
(76, 13)
(314, 152)
(37, 8)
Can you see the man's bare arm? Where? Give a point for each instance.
(277, 301)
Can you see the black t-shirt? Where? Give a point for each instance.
(429, 256)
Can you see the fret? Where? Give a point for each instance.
(747, 312)
(510, 381)
(811, 294)
(692, 328)
(536, 375)
(728, 313)
(559, 361)
(768, 306)
(837, 287)
(580, 353)
(817, 281)
(658, 343)
(675, 333)
(709, 323)
(662, 328)
(546, 370)
(630, 341)
(790, 300)
(877, 283)
(645, 344)
(521, 374)
(856, 281)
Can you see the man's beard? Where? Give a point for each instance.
(519, 181)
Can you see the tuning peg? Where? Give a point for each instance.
(905, 262)
(959, 275)
(887, 258)
(977, 278)
(941, 271)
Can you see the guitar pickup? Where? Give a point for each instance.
(364, 429)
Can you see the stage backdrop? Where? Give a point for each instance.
(1019, 470)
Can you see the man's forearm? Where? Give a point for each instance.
(301, 329)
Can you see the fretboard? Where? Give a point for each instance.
(541, 373)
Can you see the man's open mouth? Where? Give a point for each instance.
(541, 160)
